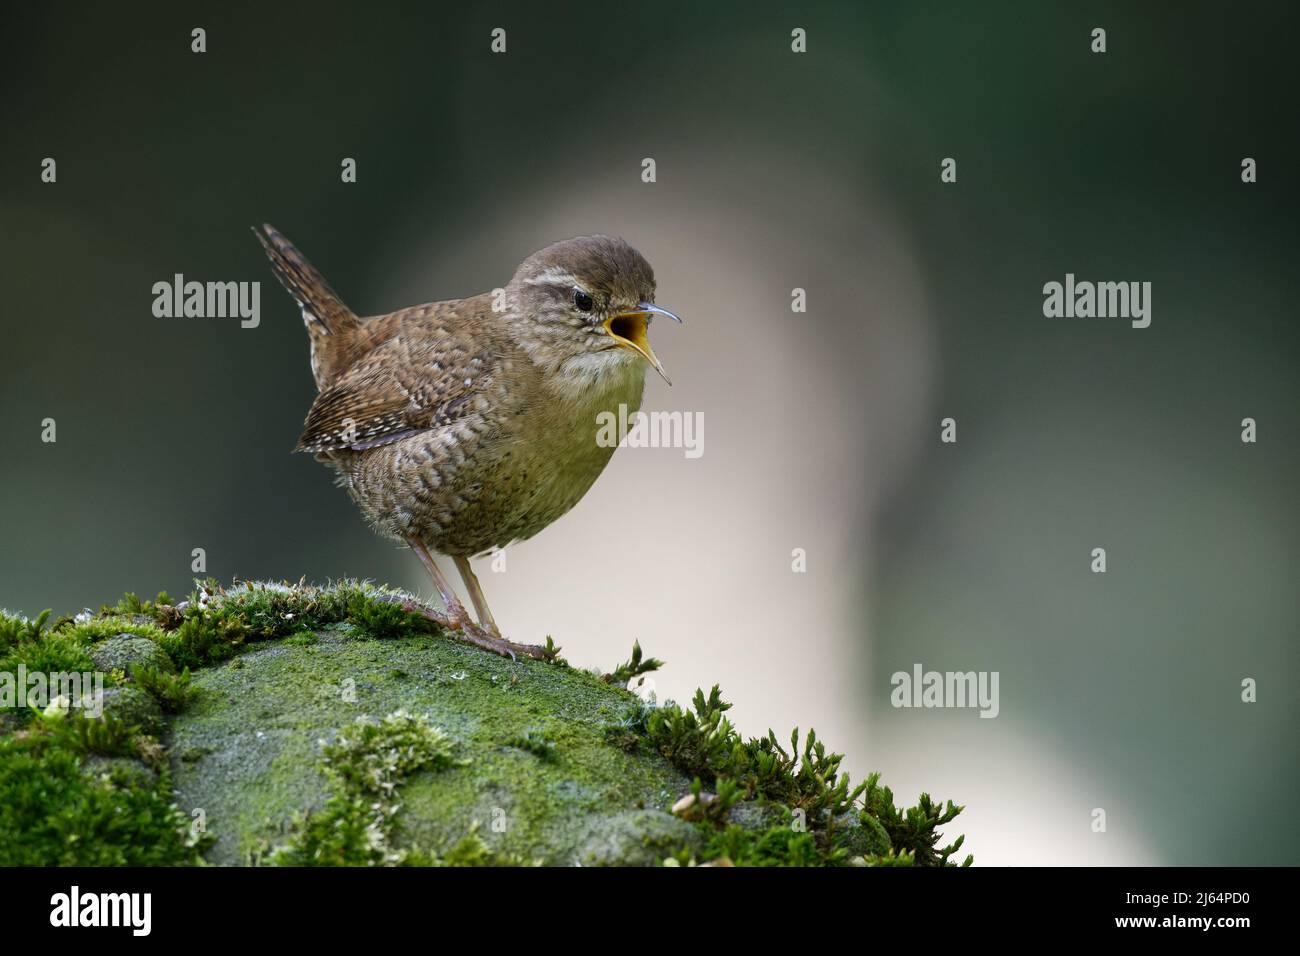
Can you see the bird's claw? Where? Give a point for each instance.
(460, 625)
(491, 640)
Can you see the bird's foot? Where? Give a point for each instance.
(460, 625)
(490, 639)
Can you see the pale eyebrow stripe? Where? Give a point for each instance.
(553, 277)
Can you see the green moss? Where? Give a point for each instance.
(173, 692)
(58, 815)
(260, 726)
(775, 846)
(74, 732)
(367, 763)
(131, 604)
(472, 851)
(100, 629)
(482, 761)
(710, 808)
(699, 741)
(124, 651)
(57, 652)
(634, 667)
(807, 779)
(914, 831)
(216, 623)
(16, 629)
(373, 756)
(29, 645)
(534, 742)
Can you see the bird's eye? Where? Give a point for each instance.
(582, 300)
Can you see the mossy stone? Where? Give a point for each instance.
(637, 838)
(758, 815)
(336, 726)
(249, 751)
(120, 652)
(862, 834)
(124, 772)
(133, 706)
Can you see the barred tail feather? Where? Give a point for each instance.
(322, 310)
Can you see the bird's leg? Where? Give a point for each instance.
(476, 595)
(486, 624)
(458, 619)
(456, 615)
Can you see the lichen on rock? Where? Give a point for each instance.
(334, 726)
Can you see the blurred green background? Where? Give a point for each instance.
(775, 171)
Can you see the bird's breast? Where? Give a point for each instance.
(552, 454)
(520, 460)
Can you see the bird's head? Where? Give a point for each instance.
(589, 300)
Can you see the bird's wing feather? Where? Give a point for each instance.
(404, 385)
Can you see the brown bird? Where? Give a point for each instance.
(459, 427)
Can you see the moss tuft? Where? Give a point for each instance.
(16, 629)
(70, 817)
(914, 831)
(173, 692)
(805, 779)
(368, 762)
(634, 667)
(60, 651)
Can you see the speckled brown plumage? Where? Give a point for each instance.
(462, 426)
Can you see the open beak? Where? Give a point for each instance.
(628, 330)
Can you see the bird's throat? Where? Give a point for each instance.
(599, 381)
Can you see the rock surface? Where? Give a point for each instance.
(124, 650)
(248, 753)
(133, 706)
